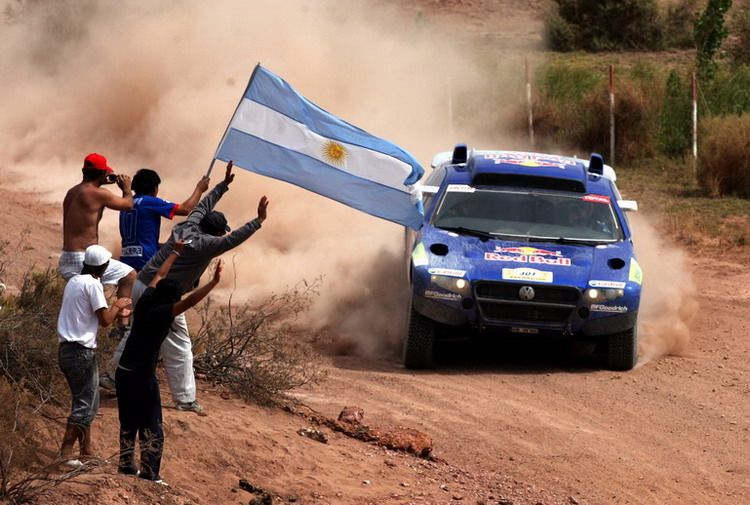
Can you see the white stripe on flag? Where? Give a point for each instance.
(265, 123)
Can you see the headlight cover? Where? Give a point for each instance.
(599, 295)
(452, 284)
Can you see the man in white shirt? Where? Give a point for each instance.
(83, 309)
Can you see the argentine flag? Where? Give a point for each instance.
(277, 132)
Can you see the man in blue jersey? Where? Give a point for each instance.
(139, 227)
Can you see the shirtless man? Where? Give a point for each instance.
(82, 210)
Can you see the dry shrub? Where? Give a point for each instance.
(18, 451)
(256, 350)
(724, 155)
(588, 25)
(28, 347)
(634, 122)
(572, 109)
(679, 22)
(25, 472)
(740, 26)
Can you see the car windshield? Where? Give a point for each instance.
(529, 215)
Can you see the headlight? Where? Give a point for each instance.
(594, 295)
(451, 284)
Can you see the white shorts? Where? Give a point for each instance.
(71, 263)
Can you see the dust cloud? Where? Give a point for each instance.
(153, 84)
(669, 301)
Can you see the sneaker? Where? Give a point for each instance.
(107, 383)
(193, 406)
(155, 480)
(73, 463)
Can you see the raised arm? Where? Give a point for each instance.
(114, 202)
(209, 201)
(199, 294)
(167, 264)
(189, 204)
(238, 236)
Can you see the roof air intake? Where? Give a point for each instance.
(460, 154)
(596, 164)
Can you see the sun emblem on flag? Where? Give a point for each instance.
(334, 153)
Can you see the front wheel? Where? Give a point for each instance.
(419, 342)
(622, 352)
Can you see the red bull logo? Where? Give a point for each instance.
(528, 251)
(525, 258)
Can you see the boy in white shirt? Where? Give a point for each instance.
(83, 309)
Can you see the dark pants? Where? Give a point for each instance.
(139, 408)
(78, 364)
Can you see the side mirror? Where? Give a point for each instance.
(628, 205)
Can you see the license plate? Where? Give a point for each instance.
(528, 331)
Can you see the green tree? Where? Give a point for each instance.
(675, 126)
(709, 33)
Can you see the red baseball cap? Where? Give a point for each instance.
(97, 161)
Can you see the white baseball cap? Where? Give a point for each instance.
(96, 256)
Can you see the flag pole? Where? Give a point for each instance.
(210, 167)
(213, 160)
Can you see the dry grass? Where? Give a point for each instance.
(28, 346)
(724, 160)
(256, 350)
(669, 194)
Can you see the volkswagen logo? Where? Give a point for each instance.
(526, 293)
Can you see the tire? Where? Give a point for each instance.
(419, 342)
(622, 352)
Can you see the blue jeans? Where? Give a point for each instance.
(78, 364)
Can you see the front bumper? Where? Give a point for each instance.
(497, 305)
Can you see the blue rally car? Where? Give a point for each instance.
(523, 243)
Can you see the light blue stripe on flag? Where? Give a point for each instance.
(279, 133)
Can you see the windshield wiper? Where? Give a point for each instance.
(563, 240)
(468, 231)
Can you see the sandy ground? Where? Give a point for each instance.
(509, 424)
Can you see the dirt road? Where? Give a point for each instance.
(674, 430)
(524, 426)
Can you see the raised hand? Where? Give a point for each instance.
(217, 272)
(229, 176)
(123, 182)
(262, 208)
(202, 185)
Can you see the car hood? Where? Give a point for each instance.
(537, 262)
